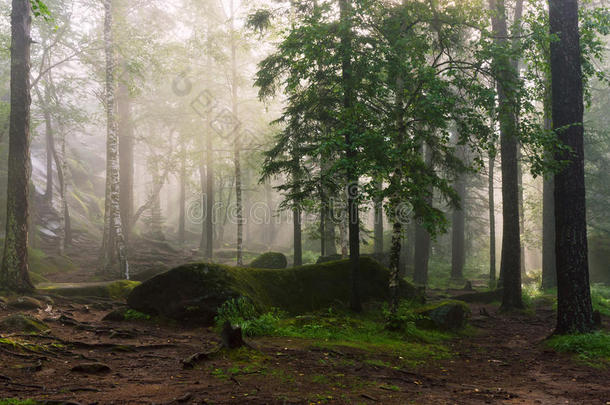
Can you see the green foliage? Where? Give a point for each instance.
(600, 295)
(270, 260)
(591, 348)
(119, 290)
(17, 401)
(241, 311)
(133, 315)
(403, 319)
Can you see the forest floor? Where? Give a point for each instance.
(501, 360)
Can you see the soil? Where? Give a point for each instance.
(503, 362)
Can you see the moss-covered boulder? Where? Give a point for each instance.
(21, 323)
(25, 303)
(115, 290)
(444, 315)
(329, 258)
(270, 260)
(194, 292)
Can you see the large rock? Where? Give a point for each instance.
(115, 290)
(194, 292)
(20, 323)
(445, 315)
(270, 260)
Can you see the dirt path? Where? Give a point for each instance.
(502, 363)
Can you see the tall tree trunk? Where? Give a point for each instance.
(14, 273)
(345, 8)
(182, 211)
(492, 220)
(297, 233)
(409, 249)
(209, 186)
(422, 240)
(237, 148)
(574, 309)
(458, 245)
(113, 244)
(521, 211)
(549, 270)
(65, 234)
(126, 158)
(510, 265)
(378, 226)
(50, 149)
(270, 231)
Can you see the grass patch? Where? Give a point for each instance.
(591, 348)
(17, 401)
(600, 295)
(133, 315)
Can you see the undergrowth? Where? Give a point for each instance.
(591, 348)
(373, 331)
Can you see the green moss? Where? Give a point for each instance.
(312, 287)
(445, 315)
(133, 315)
(205, 287)
(117, 290)
(270, 260)
(22, 323)
(17, 401)
(591, 348)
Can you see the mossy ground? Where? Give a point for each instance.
(593, 348)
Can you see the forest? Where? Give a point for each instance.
(304, 202)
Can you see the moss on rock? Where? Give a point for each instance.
(116, 290)
(444, 315)
(194, 292)
(270, 260)
(22, 323)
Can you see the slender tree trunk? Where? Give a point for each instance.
(422, 255)
(507, 105)
(113, 242)
(237, 149)
(182, 214)
(409, 249)
(50, 149)
(378, 226)
(65, 234)
(297, 233)
(458, 245)
(209, 185)
(126, 158)
(521, 212)
(345, 8)
(492, 220)
(549, 270)
(422, 238)
(14, 273)
(270, 233)
(574, 309)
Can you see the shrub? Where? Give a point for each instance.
(241, 312)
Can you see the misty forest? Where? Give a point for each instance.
(304, 202)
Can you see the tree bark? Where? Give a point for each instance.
(182, 211)
(422, 240)
(510, 261)
(549, 270)
(492, 220)
(113, 244)
(378, 226)
(14, 273)
(297, 233)
(458, 245)
(345, 9)
(574, 309)
(237, 148)
(126, 158)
